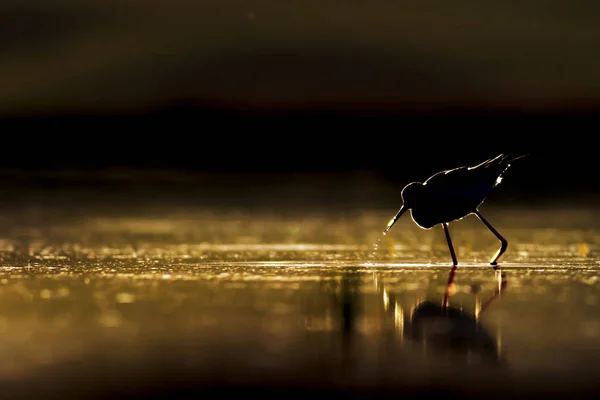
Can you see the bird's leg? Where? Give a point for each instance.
(449, 286)
(447, 232)
(454, 263)
(504, 243)
(501, 287)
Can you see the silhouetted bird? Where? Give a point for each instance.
(452, 195)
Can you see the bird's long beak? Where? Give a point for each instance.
(393, 220)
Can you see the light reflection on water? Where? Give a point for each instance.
(119, 299)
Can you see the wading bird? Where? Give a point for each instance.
(452, 195)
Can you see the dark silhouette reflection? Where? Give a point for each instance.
(440, 329)
(443, 327)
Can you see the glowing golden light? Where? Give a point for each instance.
(477, 306)
(451, 289)
(125, 297)
(414, 306)
(583, 249)
(389, 225)
(386, 300)
(399, 320)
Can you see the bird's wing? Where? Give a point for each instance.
(490, 161)
(470, 183)
(491, 171)
(459, 184)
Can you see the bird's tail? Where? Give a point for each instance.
(508, 158)
(503, 161)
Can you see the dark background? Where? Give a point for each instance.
(247, 97)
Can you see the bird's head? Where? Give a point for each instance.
(412, 194)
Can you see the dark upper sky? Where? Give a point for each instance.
(64, 55)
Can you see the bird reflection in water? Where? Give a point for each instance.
(440, 329)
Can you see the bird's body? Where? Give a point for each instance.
(452, 195)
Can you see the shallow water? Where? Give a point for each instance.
(165, 303)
